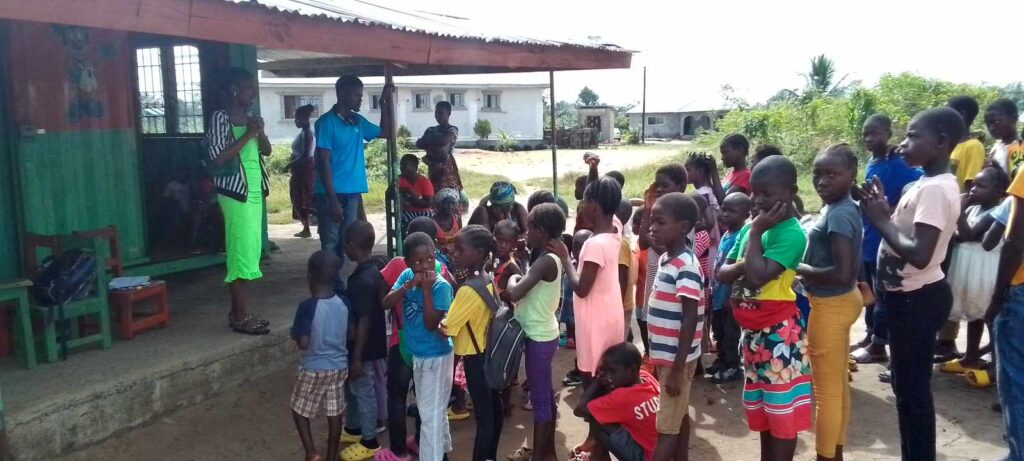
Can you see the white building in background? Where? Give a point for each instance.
(511, 102)
(677, 121)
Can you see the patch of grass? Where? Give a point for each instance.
(478, 185)
(279, 207)
(812, 202)
(637, 180)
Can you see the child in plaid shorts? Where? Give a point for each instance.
(320, 330)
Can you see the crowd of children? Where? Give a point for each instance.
(719, 270)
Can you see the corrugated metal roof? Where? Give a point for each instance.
(703, 104)
(441, 25)
(519, 79)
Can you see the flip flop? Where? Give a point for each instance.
(953, 366)
(978, 378)
(584, 447)
(453, 416)
(576, 454)
(385, 454)
(862, 356)
(521, 454)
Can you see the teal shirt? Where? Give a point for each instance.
(346, 142)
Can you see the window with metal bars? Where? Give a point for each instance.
(291, 102)
(457, 99)
(169, 89)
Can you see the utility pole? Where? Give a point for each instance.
(643, 111)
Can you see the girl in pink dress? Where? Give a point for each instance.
(597, 300)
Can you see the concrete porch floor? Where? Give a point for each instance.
(60, 407)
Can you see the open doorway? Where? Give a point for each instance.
(172, 105)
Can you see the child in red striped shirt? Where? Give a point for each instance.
(675, 320)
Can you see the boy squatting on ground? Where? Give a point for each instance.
(620, 405)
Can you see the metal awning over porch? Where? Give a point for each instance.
(303, 38)
(363, 35)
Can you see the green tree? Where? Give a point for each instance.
(587, 97)
(622, 123)
(404, 137)
(565, 115)
(802, 126)
(506, 141)
(821, 78)
(1015, 91)
(482, 128)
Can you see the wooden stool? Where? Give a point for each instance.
(125, 301)
(17, 292)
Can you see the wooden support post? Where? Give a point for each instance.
(554, 136)
(393, 207)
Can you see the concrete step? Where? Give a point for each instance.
(65, 406)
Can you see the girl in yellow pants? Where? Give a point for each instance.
(829, 275)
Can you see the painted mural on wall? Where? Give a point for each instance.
(71, 78)
(83, 84)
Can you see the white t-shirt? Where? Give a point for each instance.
(1008, 156)
(934, 201)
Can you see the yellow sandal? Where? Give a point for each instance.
(453, 416)
(978, 378)
(954, 366)
(357, 452)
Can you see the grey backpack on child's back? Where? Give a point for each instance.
(505, 338)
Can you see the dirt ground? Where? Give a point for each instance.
(254, 422)
(525, 165)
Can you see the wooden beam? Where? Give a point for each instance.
(251, 24)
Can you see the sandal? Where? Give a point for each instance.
(864, 356)
(358, 452)
(350, 437)
(453, 416)
(955, 366)
(978, 378)
(411, 445)
(259, 321)
(249, 326)
(521, 454)
(385, 454)
(580, 453)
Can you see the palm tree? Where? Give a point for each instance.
(821, 78)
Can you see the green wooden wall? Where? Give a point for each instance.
(10, 255)
(80, 180)
(9, 248)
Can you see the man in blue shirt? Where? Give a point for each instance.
(341, 135)
(890, 168)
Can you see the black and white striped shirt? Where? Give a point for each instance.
(218, 137)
